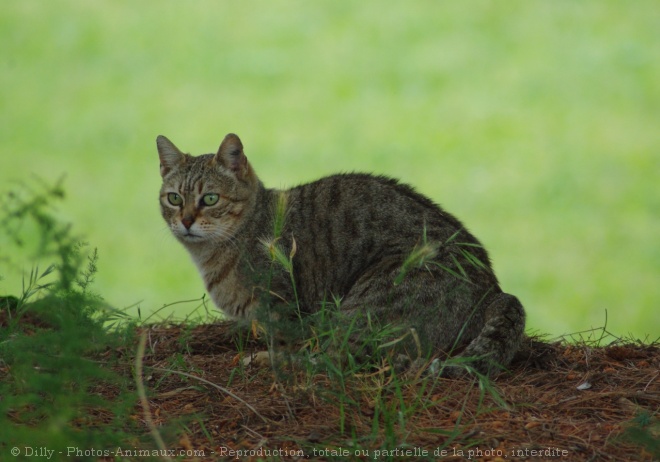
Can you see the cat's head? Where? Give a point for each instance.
(207, 197)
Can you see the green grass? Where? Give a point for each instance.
(533, 122)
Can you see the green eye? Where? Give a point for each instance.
(210, 199)
(174, 199)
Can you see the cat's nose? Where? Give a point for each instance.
(187, 221)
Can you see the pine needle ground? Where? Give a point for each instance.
(559, 401)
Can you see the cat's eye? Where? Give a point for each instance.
(210, 199)
(174, 199)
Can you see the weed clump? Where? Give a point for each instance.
(57, 350)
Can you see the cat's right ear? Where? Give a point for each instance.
(170, 156)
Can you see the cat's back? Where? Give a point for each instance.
(359, 204)
(344, 224)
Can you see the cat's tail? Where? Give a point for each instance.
(499, 340)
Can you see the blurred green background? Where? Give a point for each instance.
(536, 123)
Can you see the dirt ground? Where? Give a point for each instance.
(559, 401)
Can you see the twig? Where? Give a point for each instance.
(611, 394)
(143, 397)
(222, 389)
(650, 381)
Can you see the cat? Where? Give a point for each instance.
(369, 241)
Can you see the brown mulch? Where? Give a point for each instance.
(559, 401)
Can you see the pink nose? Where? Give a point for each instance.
(187, 221)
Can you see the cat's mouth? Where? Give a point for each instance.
(190, 236)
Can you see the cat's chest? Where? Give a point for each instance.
(225, 283)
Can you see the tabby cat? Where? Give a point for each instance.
(369, 241)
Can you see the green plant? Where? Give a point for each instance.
(644, 430)
(57, 352)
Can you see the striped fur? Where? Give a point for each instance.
(370, 241)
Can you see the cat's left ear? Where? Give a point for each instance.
(231, 156)
(170, 156)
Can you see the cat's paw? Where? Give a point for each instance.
(258, 359)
